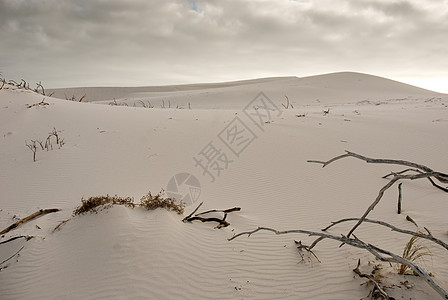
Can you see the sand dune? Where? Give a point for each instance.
(125, 253)
(344, 87)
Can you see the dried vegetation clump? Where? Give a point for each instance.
(98, 203)
(151, 202)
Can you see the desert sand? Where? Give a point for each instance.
(113, 144)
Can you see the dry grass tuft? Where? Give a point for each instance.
(94, 204)
(151, 202)
(413, 251)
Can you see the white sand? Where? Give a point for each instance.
(133, 253)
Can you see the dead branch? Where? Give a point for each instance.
(408, 218)
(420, 172)
(220, 210)
(60, 225)
(222, 222)
(3, 83)
(29, 218)
(393, 228)
(287, 103)
(384, 188)
(39, 103)
(355, 242)
(377, 287)
(192, 213)
(396, 177)
(301, 247)
(39, 85)
(399, 198)
(33, 148)
(440, 176)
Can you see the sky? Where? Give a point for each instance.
(68, 43)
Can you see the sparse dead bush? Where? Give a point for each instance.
(151, 202)
(73, 98)
(98, 203)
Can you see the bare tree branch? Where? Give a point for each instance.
(394, 228)
(372, 279)
(355, 242)
(29, 218)
(442, 177)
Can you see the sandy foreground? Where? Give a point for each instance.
(258, 153)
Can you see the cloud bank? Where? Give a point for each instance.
(90, 43)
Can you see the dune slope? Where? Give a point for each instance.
(133, 253)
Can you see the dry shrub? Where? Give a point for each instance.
(151, 202)
(93, 204)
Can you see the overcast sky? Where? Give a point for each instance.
(66, 43)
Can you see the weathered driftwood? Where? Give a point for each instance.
(399, 198)
(355, 242)
(419, 172)
(376, 288)
(428, 236)
(222, 222)
(442, 177)
(422, 172)
(220, 210)
(29, 218)
(192, 213)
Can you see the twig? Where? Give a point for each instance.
(29, 218)
(220, 210)
(408, 218)
(192, 213)
(39, 85)
(355, 242)
(420, 172)
(60, 224)
(222, 222)
(39, 103)
(287, 103)
(33, 148)
(301, 246)
(26, 237)
(394, 228)
(371, 278)
(440, 176)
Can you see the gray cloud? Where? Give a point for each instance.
(73, 43)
